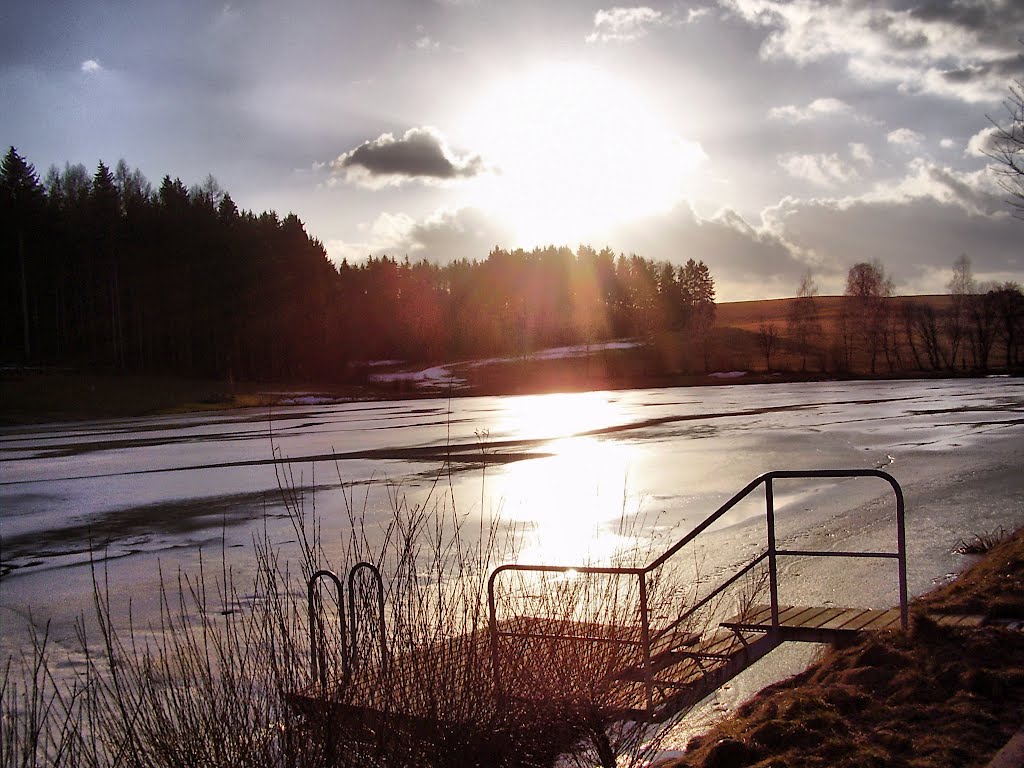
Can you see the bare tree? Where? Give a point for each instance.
(983, 322)
(768, 336)
(921, 330)
(961, 288)
(802, 323)
(1009, 307)
(1007, 146)
(869, 288)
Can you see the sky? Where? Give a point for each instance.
(765, 138)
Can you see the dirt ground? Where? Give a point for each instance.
(933, 697)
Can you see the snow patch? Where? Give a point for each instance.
(728, 374)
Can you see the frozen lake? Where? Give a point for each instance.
(561, 469)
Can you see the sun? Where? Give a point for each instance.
(573, 150)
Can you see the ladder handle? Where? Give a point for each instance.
(318, 660)
(353, 614)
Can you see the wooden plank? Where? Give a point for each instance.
(825, 616)
(805, 618)
(754, 616)
(888, 619)
(861, 621)
(842, 619)
(789, 613)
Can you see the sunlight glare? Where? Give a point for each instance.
(576, 505)
(557, 415)
(574, 150)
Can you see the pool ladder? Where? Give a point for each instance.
(348, 629)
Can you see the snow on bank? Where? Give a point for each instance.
(443, 376)
(728, 374)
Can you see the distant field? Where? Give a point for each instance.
(738, 341)
(749, 314)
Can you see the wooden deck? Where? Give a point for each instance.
(591, 665)
(824, 625)
(814, 624)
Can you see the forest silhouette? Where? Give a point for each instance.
(105, 272)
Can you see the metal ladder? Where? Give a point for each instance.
(348, 630)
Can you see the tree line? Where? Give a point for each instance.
(974, 327)
(103, 270)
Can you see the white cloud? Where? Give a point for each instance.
(861, 154)
(443, 236)
(958, 50)
(983, 142)
(916, 226)
(947, 143)
(91, 65)
(904, 137)
(822, 170)
(819, 108)
(424, 42)
(623, 24)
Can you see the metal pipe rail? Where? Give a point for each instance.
(772, 554)
(349, 635)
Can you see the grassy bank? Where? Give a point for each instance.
(30, 395)
(936, 697)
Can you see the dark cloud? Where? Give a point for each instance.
(419, 154)
(978, 16)
(884, 23)
(917, 231)
(464, 234)
(746, 261)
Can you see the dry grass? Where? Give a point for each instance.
(212, 683)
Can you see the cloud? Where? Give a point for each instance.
(91, 65)
(420, 154)
(904, 137)
(964, 50)
(916, 225)
(947, 143)
(746, 261)
(819, 108)
(443, 236)
(861, 154)
(822, 170)
(623, 24)
(983, 143)
(424, 42)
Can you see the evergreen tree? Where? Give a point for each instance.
(21, 202)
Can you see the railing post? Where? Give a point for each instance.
(354, 616)
(318, 656)
(773, 571)
(492, 628)
(645, 639)
(901, 550)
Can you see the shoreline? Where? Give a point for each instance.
(37, 396)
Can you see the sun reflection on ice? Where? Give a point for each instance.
(576, 506)
(558, 415)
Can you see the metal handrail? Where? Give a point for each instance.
(353, 614)
(349, 653)
(772, 554)
(317, 655)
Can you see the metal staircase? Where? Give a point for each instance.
(639, 663)
(653, 672)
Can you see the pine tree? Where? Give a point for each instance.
(21, 201)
